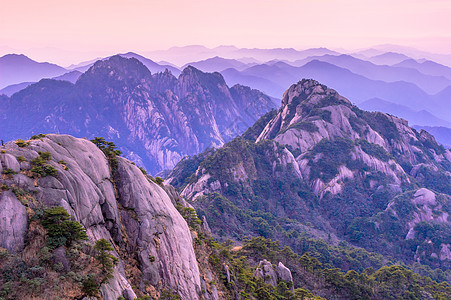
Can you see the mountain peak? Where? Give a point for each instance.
(117, 67)
(312, 92)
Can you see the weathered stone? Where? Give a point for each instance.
(13, 222)
(59, 256)
(266, 272)
(155, 231)
(283, 273)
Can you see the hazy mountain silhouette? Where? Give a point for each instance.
(427, 67)
(430, 83)
(388, 58)
(17, 68)
(421, 117)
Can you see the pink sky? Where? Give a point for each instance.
(89, 28)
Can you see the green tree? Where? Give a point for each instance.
(106, 260)
(61, 229)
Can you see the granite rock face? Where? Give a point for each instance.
(271, 275)
(321, 160)
(127, 209)
(155, 119)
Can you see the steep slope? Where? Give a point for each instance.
(319, 165)
(441, 134)
(19, 68)
(155, 119)
(112, 199)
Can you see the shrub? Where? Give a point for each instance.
(90, 286)
(106, 260)
(143, 170)
(22, 143)
(159, 180)
(45, 155)
(61, 230)
(38, 136)
(21, 158)
(8, 172)
(40, 168)
(374, 150)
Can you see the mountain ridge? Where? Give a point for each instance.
(156, 118)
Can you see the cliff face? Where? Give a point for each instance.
(155, 119)
(149, 236)
(321, 161)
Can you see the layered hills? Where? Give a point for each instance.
(155, 119)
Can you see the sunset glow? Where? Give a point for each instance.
(91, 28)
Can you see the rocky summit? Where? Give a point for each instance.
(322, 167)
(155, 119)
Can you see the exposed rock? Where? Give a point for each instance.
(134, 213)
(205, 226)
(158, 230)
(10, 162)
(13, 222)
(59, 256)
(266, 272)
(272, 275)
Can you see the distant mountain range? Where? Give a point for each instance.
(155, 119)
(415, 89)
(16, 69)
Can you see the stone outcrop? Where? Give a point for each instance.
(271, 275)
(128, 209)
(319, 159)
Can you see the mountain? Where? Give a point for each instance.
(155, 119)
(323, 168)
(185, 55)
(71, 76)
(80, 188)
(431, 84)
(150, 64)
(19, 68)
(80, 222)
(426, 67)
(217, 64)
(441, 134)
(422, 117)
(388, 58)
(14, 88)
(282, 74)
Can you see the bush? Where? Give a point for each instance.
(374, 150)
(22, 143)
(159, 180)
(40, 167)
(90, 286)
(38, 136)
(21, 158)
(106, 260)
(61, 230)
(8, 172)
